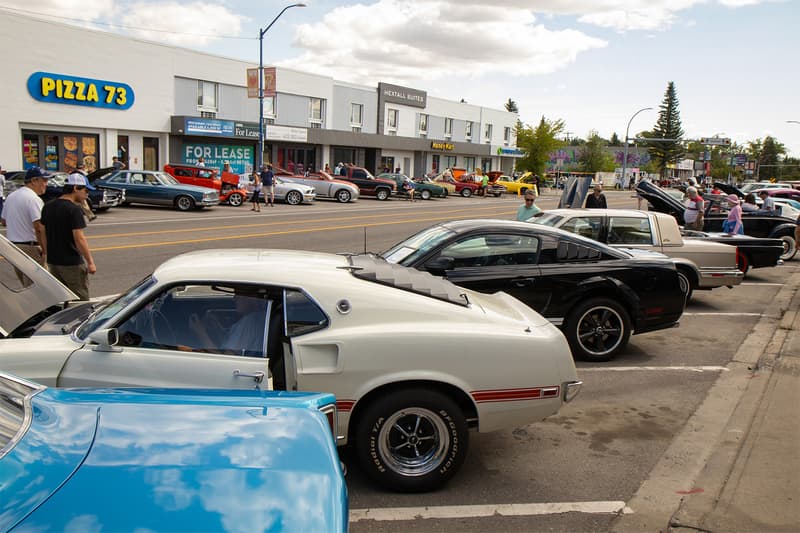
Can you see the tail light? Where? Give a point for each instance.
(332, 415)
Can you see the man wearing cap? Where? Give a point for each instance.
(68, 256)
(80, 170)
(22, 215)
(528, 209)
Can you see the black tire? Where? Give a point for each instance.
(425, 195)
(412, 440)
(235, 199)
(184, 203)
(789, 247)
(294, 198)
(686, 282)
(466, 192)
(382, 194)
(343, 196)
(597, 329)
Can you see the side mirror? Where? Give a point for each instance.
(105, 340)
(440, 265)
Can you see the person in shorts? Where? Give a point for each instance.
(268, 184)
(256, 199)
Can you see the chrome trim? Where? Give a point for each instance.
(571, 390)
(27, 415)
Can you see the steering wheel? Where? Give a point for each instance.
(161, 329)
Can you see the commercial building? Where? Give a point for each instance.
(72, 95)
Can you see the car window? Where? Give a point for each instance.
(137, 179)
(588, 226)
(629, 230)
(575, 252)
(225, 319)
(119, 178)
(303, 315)
(182, 172)
(496, 249)
(12, 278)
(359, 174)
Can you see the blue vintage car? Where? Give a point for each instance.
(167, 460)
(158, 188)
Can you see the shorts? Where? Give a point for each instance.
(268, 189)
(256, 195)
(75, 277)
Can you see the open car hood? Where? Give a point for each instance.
(729, 189)
(26, 288)
(660, 200)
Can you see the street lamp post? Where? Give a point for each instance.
(625, 152)
(260, 158)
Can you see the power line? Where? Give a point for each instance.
(122, 26)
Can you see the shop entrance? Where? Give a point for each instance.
(54, 151)
(297, 159)
(122, 149)
(387, 164)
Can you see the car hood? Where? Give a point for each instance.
(160, 460)
(729, 189)
(37, 292)
(660, 200)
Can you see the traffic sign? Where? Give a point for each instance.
(715, 141)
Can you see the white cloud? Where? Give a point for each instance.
(193, 24)
(426, 40)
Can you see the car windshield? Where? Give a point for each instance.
(407, 251)
(547, 219)
(103, 314)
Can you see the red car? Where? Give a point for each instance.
(226, 183)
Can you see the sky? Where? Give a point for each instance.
(590, 63)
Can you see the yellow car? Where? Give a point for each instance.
(518, 186)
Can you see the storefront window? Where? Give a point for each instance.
(469, 162)
(55, 151)
(30, 150)
(449, 161)
(435, 163)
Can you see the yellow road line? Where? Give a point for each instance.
(268, 234)
(266, 223)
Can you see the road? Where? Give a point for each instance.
(572, 472)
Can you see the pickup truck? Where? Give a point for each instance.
(701, 264)
(369, 185)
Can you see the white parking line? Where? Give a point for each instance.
(762, 283)
(478, 511)
(721, 314)
(709, 368)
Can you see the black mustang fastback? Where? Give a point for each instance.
(598, 295)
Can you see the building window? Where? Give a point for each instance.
(487, 133)
(207, 96)
(269, 107)
(393, 119)
(449, 161)
(356, 129)
(357, 115)
(506, 135)
(469, 163)
(316, 112)
(448, 127)
(468, 131)
(423, 124)
(208, 114)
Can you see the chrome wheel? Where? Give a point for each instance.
(184, 203)
(343, 196)
(413, 442)
(235, 199)
(294, 198)
(597, 329)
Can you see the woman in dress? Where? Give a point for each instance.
(733, 224)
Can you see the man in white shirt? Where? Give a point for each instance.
(22, 213)
(769, 202)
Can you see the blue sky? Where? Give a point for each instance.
(592, 63)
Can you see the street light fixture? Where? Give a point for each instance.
(261, 32)
(625, 155)
(793, 121)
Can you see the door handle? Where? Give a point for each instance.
(258, 377)
(522, 282)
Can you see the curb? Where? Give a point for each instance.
(721, 423)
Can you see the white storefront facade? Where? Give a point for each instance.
(76, 95)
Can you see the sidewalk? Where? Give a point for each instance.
(747, 479)
(751, 483)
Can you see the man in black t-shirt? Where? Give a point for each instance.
(597, 199)
(68, 257)
(268, 184)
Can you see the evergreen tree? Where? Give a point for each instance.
(668, 126)
(537, 144)
(511, 106)
(615, 141)
(769, 158)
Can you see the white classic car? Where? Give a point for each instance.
(702, 264)
(414, 361)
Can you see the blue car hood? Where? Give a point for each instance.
(186, 462)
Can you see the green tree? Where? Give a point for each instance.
(594, 157)
(769, 159)
(615, 140)
(511, 106)
(537, 144)
(668, 126)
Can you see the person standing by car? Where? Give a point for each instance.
(695, 207)
(528, 209)
(597, 200)
(116, 163)
(768, 205)
(22, 213)
(733, 224)
(68, 256)
(268, 184)
(256, 192)
(201, 162)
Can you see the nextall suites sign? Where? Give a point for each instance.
(402, 95)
